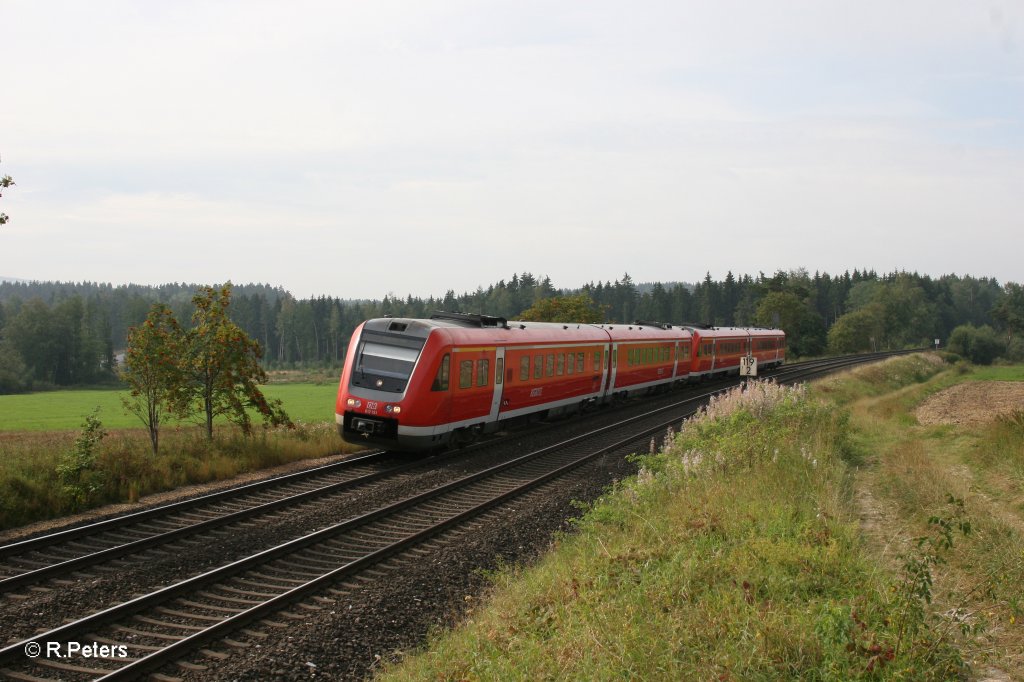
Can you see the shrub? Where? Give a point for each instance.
(980, 345)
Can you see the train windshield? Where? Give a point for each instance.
(387, 360)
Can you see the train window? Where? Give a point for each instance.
(538, 366)
(465, 374)
(560, 364)
(483, 372)
(629, 358)
(570, 363)
(550, 367)
(524, 368)
(499, 368)
(441, 380)
(649, 353)
(579, 361)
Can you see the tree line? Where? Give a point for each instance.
(63, 334)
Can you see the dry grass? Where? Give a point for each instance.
(125, 468)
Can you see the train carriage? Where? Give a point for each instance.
(768, 346)
(717, 350)
(646, 356)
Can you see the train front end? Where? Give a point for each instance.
(384, 396)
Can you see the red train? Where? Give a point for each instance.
(411, 384)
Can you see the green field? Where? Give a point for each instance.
(66, 410)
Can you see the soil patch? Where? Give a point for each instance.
(972, 403)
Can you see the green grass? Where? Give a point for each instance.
(735, 553)
(998, 373)
(124, 467)
(65, 410)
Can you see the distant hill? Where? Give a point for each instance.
(11, 279)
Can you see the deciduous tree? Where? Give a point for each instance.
(152, 371)
(579, 308)
(222, 365)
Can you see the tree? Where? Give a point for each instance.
(153, 374)
(579, 308)
(980, 345)
(860, 330)
(15, 377)
(5, 182)
(804, 327)
(1010, 310)
(222, 366)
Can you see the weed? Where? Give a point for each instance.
(914, 592)
(77, 472)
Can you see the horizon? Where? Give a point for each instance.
(485, 286)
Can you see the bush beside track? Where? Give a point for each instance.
(737, 552)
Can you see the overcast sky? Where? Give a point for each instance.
(360, 148)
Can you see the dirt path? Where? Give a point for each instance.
(922, 465)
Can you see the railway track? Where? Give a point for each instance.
(171, 624)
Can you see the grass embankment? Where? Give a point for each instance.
(737, 553)
(121, 466)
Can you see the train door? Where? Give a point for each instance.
(499, 383)
(612, 370)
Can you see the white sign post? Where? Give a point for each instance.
(748, 366)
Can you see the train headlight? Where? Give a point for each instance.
(393, 409)
(398, 409)
(352, 402)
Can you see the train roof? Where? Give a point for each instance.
(721, 332)
(500, 331)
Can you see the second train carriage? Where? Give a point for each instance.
(412, 384)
